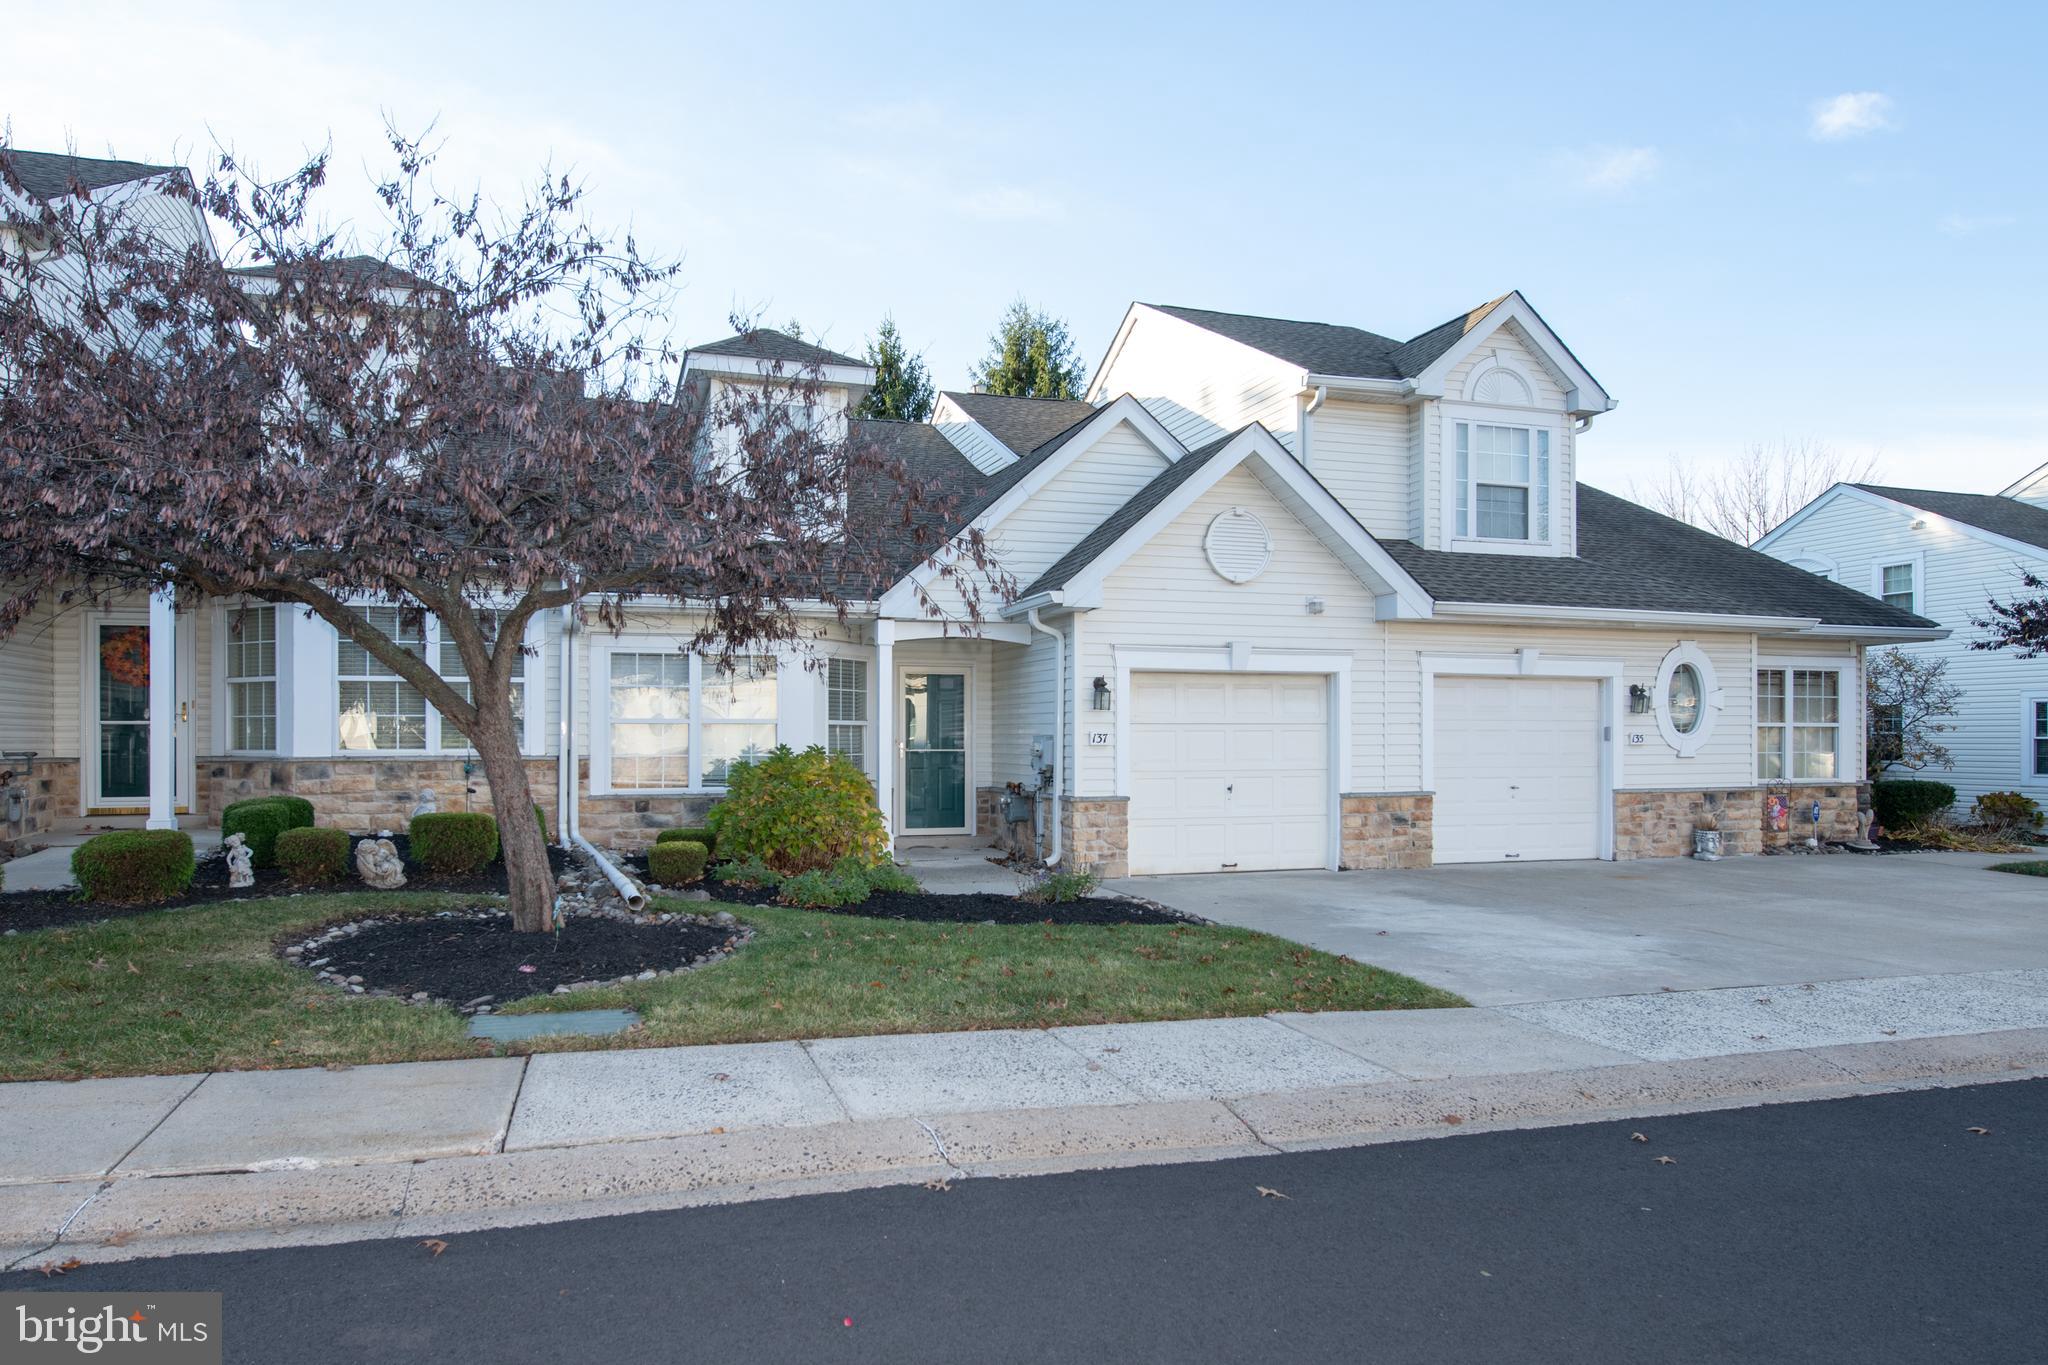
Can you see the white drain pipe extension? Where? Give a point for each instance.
(630, 891)
(1059, 723)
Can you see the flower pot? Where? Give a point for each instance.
(1706, 844)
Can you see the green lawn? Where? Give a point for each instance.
(2037, 867)
(196, 990)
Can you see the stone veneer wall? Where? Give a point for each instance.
(1659, 824)
(1838, 805)
(366, 794)
(50, 796)
(1387, 829)
(1095, 833)
(1015, 837)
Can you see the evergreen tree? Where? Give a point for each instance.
(1031, 356)
(903, 389)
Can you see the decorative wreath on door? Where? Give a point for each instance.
(124, 655)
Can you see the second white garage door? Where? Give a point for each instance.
(1229, 772)
(1517, 769)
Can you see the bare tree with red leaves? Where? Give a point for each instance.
(482, 422)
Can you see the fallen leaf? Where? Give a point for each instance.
(1667, 1161)
(120, 1237)
(135, 969)
(435, 1245)
(721, 1076)
(1637, 1137)
(1981, 1132)
(939, 1186)
(65, 1267)
(1265, 1193)
(718, 1130)
(1454, 1119)
(1889, 1032)
(846, 1322)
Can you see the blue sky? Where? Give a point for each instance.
(1751, 224)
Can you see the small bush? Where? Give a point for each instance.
(261, 819)
(1909, 801)
(890, 877)
(312, 856)
(2035, 867)
(134, 866)
(454, 841)
(822, 890)
(677, 862)
(2007, 810)
(747, 872)
(798, 812)
(1051, 887)
(702, 836)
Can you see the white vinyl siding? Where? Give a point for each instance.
(251, 678)
(1360, 452)
(1198, 384)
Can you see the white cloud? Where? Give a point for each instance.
(1008, 204)
(1969, 224)
(1851, 115)
(1609, 169)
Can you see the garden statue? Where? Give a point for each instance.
(240, 858)
(429, 803)
(378, 864)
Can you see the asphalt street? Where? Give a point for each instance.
(1869, 1230)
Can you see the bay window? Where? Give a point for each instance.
(251, 642)
(678, 722)
(1503, 482)
(1798, 724)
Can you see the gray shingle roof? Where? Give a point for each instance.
(364, 269)
(1633, 559)
(46, 175)
(1023, 424)
(930, 461)
(776, 347)
(2002, 516)
(1092, 546)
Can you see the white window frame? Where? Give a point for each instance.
(2030, 774)
(866, 693)
(1687, 653)
(1848, 704)
(1546, 504)
(224, 632)
(1916, 562)
(599, 714)
(533, 736)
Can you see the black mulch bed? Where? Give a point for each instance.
(49, 909)
(458, 958)
(933, 908)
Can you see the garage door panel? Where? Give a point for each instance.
(1229, 770)
(1517, 769)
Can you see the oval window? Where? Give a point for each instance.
(1683, 700)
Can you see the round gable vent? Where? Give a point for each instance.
(1237, 545)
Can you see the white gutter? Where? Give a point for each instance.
(1302, 440)
(1362, 386)
(1511, 612)
(1059, 723)
(630, 891)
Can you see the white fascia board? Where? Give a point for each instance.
(1255, 442)
(746, 367)
(1586, 395)
(1902, 509)
(901, 600)
(2018, 487)
(1893, 635)
(1511, 612)
(1116, 345)
(1367, 390)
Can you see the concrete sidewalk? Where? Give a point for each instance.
(433, 1146)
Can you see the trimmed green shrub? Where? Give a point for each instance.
(134, 866)
(2007, 810)
(454, 841)
(822, 890)
(798, 812)
(261, 819)
(746, 872)
(312, 856)
(1051, 887)
(702, 836)
(890, 877)
(1904, 802)
(677, 862)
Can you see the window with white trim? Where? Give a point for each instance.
(1503, 482)
(1798, 724)
(675, 722)
(846, 710)
(252, 678)
(378, 710)
(2037, 737)
(457, 674)
(1897, 588)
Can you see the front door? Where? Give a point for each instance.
(935, 752)
(117, 717)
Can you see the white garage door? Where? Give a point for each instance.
(1517, 769)
(1229, 771)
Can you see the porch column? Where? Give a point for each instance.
(885, 725)
(163, 710)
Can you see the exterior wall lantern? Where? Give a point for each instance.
(1101, 699)
(1638, 700)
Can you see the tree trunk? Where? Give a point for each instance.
(530, 882)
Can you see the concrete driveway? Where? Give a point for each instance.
(1565, 931)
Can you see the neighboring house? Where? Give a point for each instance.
(1946, 556)
(1283, 595)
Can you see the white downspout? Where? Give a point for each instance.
(1060, 702)
(630, 891)
(1301, 440)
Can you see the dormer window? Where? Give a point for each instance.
(1503, 482)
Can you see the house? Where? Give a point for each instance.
(1945, 556)
(1276, 594)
